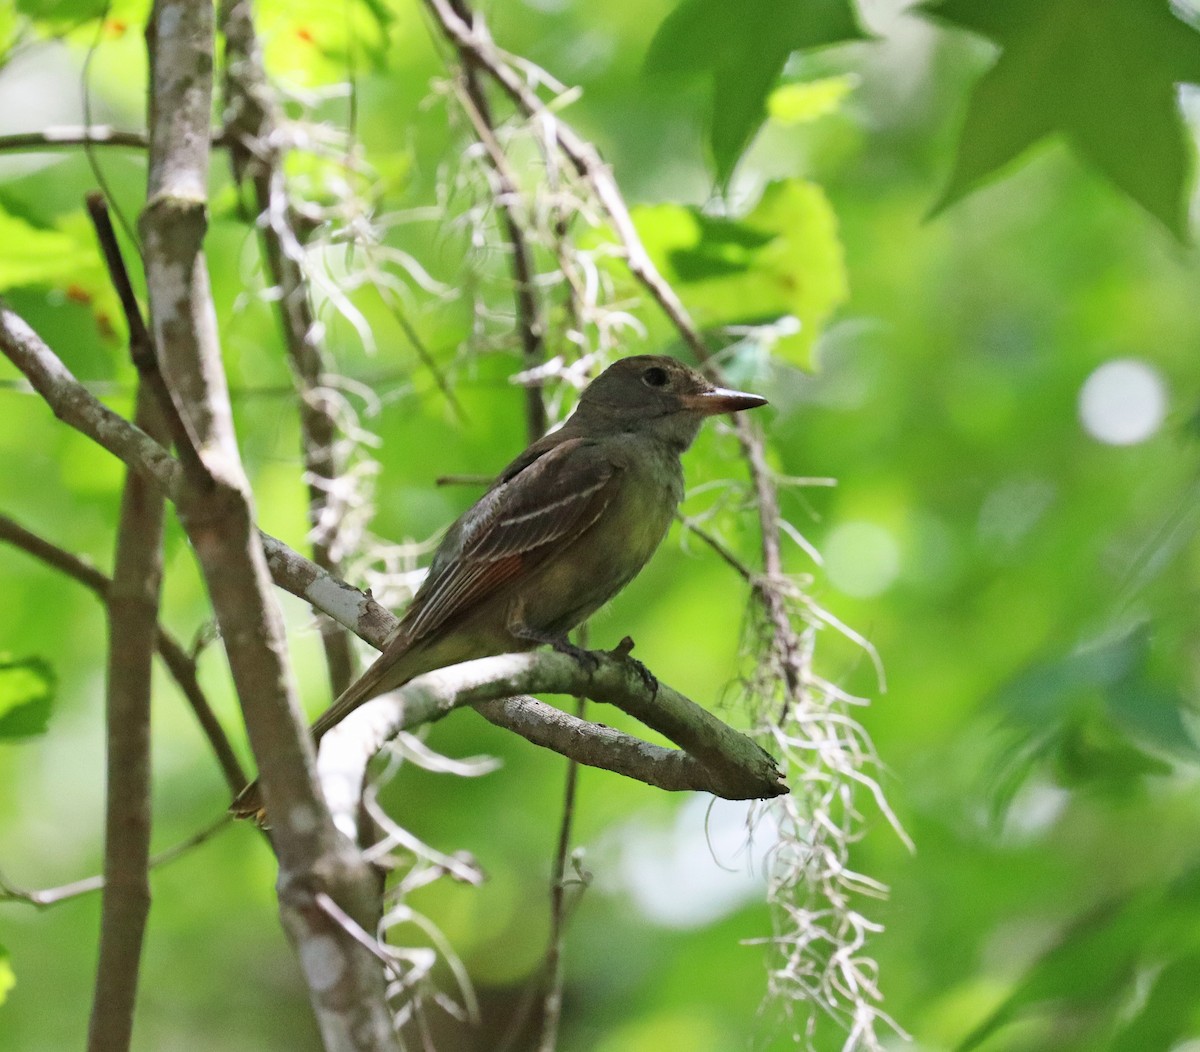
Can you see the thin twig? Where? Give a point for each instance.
(769, 586)
(52, 896)
(554, 975)
(52, 555)
(507, 196)
(133, 598)
(85, 79)
(73, 136)
(141, 343)
(440, 380)
(257, 155)
(718, 546)
(74, 404)
(141, 347)
(179, 663)
(464, 480)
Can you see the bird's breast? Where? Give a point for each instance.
(596, 564)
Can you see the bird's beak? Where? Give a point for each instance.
(721, 400)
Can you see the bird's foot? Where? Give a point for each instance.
(622, 651)
(585, 657)
(560, 643)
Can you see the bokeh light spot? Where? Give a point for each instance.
(698, 870)
(1123, 402)
(861, 559)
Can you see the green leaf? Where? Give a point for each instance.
(1094, 960)
(62, 12)
(315, 42)
(26, 696)
(1089, 973)
(1100, 717)
(781, 263)
(56, 257)
(741, 49)
(7, 979)
(1118, 672)
(1169, 1012)
(805, 102)
(10, 28)
(1101, 75)
(1093, 752)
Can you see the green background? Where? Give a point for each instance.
(1030, 589)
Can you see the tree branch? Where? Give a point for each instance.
(723, 762)
(72, 136)
(133, 599)
(179, 663)
(545, 725)
(132, 607)
(554, 972)
(718, 546)
(346, 983)
(74, 404)
(466, 32)
(595, 745)
(341, 601)
(347, 605)
(358, 611)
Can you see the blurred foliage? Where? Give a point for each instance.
(742, 50)
(26, 694)
(781, 265)
(1104, 76)
(6, 975)
(1039, 632)
(1149, 938)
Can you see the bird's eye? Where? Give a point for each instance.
(655, 377)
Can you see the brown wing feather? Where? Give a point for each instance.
(512, 529)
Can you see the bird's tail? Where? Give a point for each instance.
(389, 671)
(248, 804)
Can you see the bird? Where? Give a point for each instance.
(564, 528)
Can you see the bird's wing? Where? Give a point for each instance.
(513, 528)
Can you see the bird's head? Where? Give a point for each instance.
(659, 396)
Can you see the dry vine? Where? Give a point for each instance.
(820, 962)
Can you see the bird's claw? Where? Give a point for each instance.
(645, 675)
(585, 657)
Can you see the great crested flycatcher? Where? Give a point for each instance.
(563, 529)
